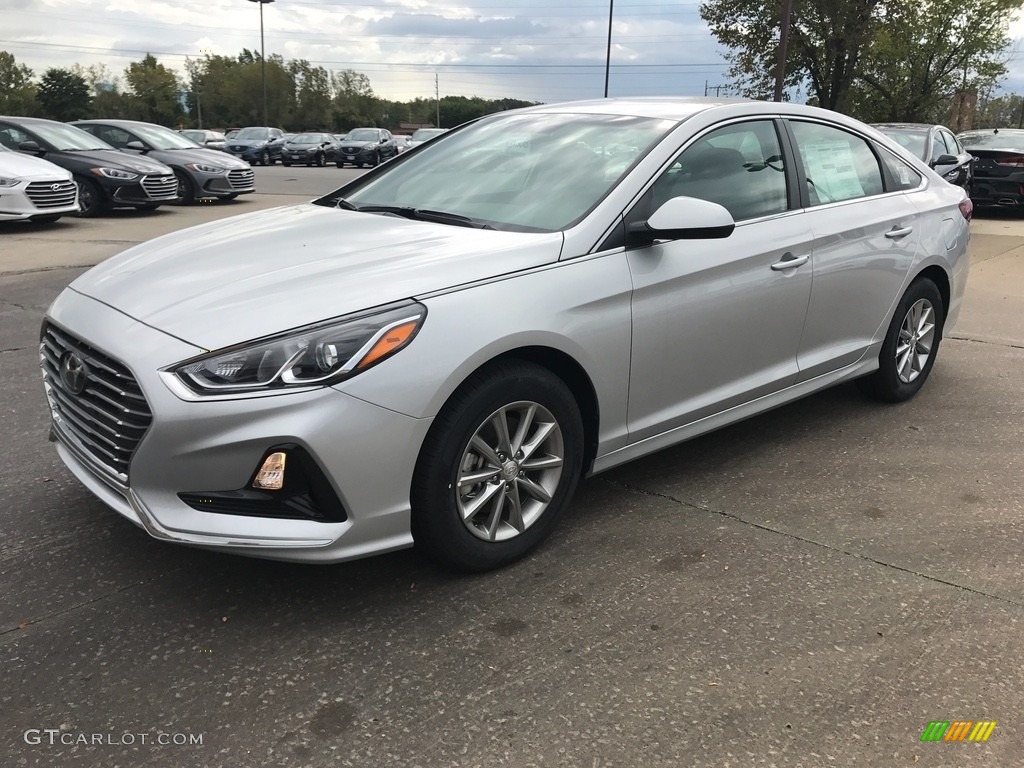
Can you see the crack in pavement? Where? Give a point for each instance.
(11, 272)
(797, 537)
(14, 349)
(979, 340)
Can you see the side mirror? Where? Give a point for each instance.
(944, 160)
(685, 218)
(135, 145)
(30, 146)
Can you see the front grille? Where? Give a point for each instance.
(242, 179)
(161, 187)
(351, 150)
(109, 416)
(49, 194)
(238, 148)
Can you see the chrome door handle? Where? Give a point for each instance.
(895, 233)
(789, 261)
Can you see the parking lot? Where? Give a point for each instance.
(808, 588)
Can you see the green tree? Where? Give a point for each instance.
(827, 39)
(1004, 111)
(63, 95)
(354, 102)
(17, 92)
(954, 46)
(154, 91)
(312, 96)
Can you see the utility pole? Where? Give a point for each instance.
(199, 109)
(780, 67)
(608, 52)
(437, 100)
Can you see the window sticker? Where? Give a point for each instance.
(832, 170)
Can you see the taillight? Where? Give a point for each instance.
(1012, 161)
(967, 208)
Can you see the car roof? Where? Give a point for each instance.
(28, 120)
(907, 126)
(122, 123)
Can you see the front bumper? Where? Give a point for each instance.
(29, 199)
(232, 182)
(147, 190)
(202, 446)
(356, 155)
(249, 154)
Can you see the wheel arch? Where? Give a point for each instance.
(938, 275)
(566, 368)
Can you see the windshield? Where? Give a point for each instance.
(363, 134)
(252, 133)
(159, 137)
(306, 138)
(914, 141)
(1002, 140)
(527, 172)
(66, 138)
(423, 134)
(197, 136)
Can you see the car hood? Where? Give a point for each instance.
(14, 164)
(174, 157)
(247, 142)
(299, 147)
(254, 275)
(111, 158)
(349, 143)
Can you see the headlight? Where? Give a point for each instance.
(205, 168)
(312, 149)
(318, 355)
(114, 173)
(8, 182)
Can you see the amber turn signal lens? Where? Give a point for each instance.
(271, 474)
(392, 340)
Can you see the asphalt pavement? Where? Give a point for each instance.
(808, 588)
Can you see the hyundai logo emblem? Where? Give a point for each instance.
(54, 187)
(73, 373)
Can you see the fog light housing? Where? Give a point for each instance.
(304, 492)
(270, 476)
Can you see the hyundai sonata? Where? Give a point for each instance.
(436, 352)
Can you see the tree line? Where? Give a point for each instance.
(223, 92)
(878, 60)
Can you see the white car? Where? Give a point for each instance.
(35, 189)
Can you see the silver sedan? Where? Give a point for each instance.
(435, 353)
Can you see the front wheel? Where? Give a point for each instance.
(90, 199)
(498, 467)
(186, 189)
(321, 161)
(264, 158)
(910, 346)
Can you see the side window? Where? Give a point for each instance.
(11, 137)
(739, 167)
(114, 136)
(952, 145)
(938, 147)
(898, 175)
(837, 165)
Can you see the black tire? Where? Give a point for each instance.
(186, 188)
(359, 165)
(264, 158)
(437, 522)
(286, 165)
(340, 165)
(887, 384)
(376, 159)
(90, 199)
(49, 219)
(321, 161)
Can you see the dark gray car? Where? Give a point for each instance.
(937, 146)
(201, 172)
(367, 146)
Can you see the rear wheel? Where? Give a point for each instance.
(910, 346)
(498, 467)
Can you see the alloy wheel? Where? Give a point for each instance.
(914, 345)
(509, 471)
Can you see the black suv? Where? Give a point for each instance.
(256, 145)
(106, 178)
(367, 146)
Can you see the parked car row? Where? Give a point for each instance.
(113, 164)
(988, 163)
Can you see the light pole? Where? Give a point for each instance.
(608, 51)
(263, 60)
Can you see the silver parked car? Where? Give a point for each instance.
(504, 311)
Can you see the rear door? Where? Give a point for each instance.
(865, 237)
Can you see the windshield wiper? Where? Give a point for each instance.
(341, 202)
(423, 214)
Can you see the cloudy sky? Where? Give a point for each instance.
(543, 50)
